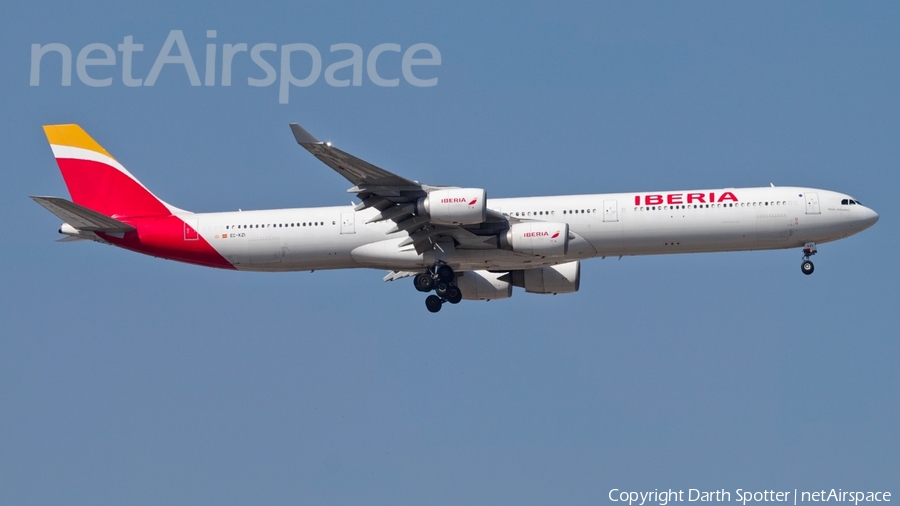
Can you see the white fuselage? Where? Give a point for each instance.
(603, 225)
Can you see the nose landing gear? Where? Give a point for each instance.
(809, 249)
(440, 279)
(807, 267)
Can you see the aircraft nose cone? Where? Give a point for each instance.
(873, 217)
(870, 218)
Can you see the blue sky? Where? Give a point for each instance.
(128, 379)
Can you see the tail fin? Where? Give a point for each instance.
(96, 180)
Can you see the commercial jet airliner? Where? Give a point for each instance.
(452, 241)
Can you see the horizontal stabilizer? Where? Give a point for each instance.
(82, 218)
(71, 238)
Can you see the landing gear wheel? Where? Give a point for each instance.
(809, 249)
(424, 282)
(445, 273)
(442, 288)
(454, 295)
(433, 303)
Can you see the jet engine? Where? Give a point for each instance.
(539, 238)
(454, 206)
(483, 285)
(562, 278)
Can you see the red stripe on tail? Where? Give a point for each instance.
(108, 190)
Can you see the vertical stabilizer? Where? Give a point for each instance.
(96, 180)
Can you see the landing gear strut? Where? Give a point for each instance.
(809, 249)
(440, 279)
(444, 273)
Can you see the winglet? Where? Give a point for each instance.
(302, 136)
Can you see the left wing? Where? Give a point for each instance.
(400, 200)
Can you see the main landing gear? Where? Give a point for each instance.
(440, 280)
(809, 249)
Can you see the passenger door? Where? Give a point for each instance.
(812, 203)
(610, 211)
(348, 223)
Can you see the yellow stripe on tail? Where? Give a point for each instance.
(73, 136)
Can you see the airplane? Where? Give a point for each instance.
(451, 241)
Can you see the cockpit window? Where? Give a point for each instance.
(845, 202)
(850, 202)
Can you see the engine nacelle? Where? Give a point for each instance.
(539, 238)
(563, 278)
(483, 285)
(454, 206)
